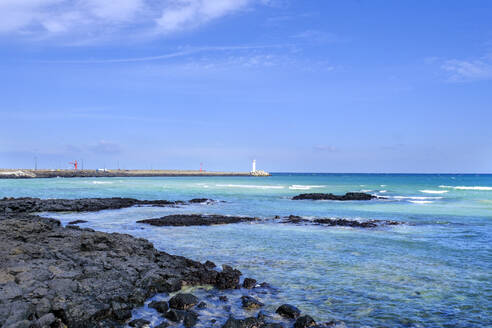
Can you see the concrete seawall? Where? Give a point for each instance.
(27, 173)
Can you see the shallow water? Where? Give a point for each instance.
(434, 271)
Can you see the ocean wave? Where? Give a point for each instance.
(468, 188)
(305, 187)
(383, 191)
(366, 190)
(249, 186)
(426, 191)
(414, 197)
(102, 182)
(421, 201)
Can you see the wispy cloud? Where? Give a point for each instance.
(48, 18)
(184, 52)
(325, 148)
(468, 70)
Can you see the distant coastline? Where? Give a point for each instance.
(29, 173)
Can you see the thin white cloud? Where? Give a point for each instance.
(42, 18)
(468, 70)
(183, 14)
(176, 54)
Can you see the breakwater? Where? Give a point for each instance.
(29, 173)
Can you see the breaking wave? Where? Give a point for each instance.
(305, 187)
(468, 188)
(425, 191)
(249, 186)
(421, 201)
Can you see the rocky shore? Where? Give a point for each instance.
(29, 205)
(83, 278)
(54, 276)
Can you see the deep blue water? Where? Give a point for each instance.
(433, 271)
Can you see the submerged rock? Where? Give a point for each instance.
(250, 303)
(347, 196)
(195, 220)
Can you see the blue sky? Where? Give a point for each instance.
(311, 85)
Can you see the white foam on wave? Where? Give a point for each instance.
(421, 201)
(414, 197)
(366, 190)
(249, 186)
(102, 182)
(468, 188)
(426, 191)
(383, 191)
(383, 186)
(305, 187)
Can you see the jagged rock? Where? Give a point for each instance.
(249, 283)
(304, 322)
(347, 196)
(202, 305)
(183, 301)
(243, 323)
(228, 278)
(288, 311)
(160, 306)
(139, 323)
(250, 303)
(86, 278)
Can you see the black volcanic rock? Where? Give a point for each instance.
(250, 303)
(29, 205)
(77, 222)
(288, 311)
(83, 278)
(347, 196)
(183, 301)
(195, 220)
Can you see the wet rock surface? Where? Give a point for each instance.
(196, 220)
(346, 197)
(340, 222)
(84, 278)
(29, 205)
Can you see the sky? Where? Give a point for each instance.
(300, 86)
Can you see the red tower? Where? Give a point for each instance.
(75, 164)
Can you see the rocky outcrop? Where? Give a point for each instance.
(340, 222)
(347, 196)
(29, 205)
(83, 278)
(196, 220)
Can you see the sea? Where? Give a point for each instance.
(435, 270)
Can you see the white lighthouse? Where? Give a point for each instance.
(253, 169)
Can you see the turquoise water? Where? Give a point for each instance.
(434, 271)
